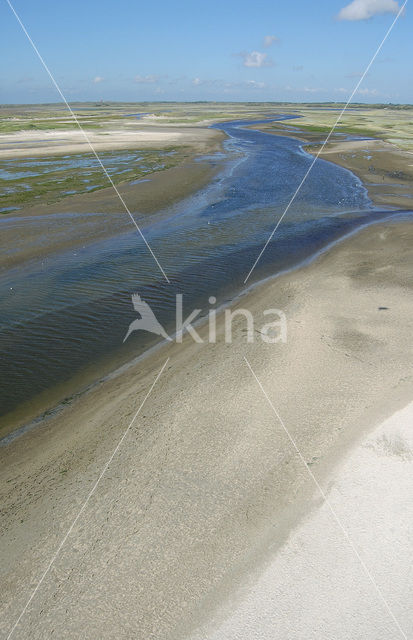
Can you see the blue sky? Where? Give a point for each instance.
(306, 50)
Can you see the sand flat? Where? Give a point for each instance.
(205, 486)
(51, 142)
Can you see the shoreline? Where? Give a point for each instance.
(100, 214)
(382, 167)
(206, 476)
(160, 183)
(17, 430)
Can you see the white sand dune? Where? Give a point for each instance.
(66, 141)
(315, 586)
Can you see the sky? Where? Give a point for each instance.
(231, 50)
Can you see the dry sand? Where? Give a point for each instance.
(206, 487)
(137, 136)
(315, 586)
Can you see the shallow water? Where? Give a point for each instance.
(14, 169)
(61, 315)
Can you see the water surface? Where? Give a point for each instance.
(68, 315)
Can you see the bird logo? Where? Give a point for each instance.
(147, 320)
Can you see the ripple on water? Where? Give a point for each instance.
(74, 310)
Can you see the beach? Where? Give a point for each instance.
(206, 398)
(206, 487)
(75, 140)
(314, 586)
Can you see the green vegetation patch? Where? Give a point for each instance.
(29, 181)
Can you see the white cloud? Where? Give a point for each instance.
(299, 90)
(256, 59)
(364, 9)
(256, 85)
(368, 92)
(362, 92)
(98, 79)
(146, 79)
(196, 81)
(269, 40)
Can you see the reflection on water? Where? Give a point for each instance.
(74, 309)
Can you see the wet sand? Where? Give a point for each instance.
(206, 481)
(100, 214)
